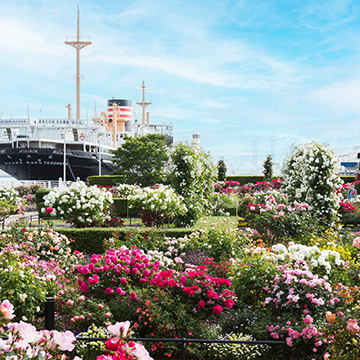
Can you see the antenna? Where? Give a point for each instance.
(78, 45)
(143, 104)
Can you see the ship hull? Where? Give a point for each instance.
(48, 164)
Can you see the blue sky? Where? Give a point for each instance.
(254, 77)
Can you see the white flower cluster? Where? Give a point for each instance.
(161, 199)
(9, 194)
(79, 203)
(237, 351)
(310, 176)
(126, 190)
(317, 257)
(192, 174)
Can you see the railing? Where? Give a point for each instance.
(50, 325)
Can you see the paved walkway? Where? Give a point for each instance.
(29, 216)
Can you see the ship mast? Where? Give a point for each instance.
(78, 45)
(143, 104)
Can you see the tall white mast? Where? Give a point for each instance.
(143, 104)
(78, 45)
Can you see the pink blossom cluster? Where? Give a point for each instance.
(25, 342)
(118, 348)
(279, 209)
(295, 294)
(113, 273)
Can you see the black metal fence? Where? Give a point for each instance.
(50, 325)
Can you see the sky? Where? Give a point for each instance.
(254, 77)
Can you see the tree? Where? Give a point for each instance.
(221, 170)
(268, 168)
(142, 159)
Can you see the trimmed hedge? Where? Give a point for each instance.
(120, 208)
(245, 179)
(231, 211)
(39, 195)
(92, 240)
(106, 180)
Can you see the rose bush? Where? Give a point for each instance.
(310, 176)
(79, 204)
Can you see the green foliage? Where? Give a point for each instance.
(268, 168)
(96, 240)
(142, 159)
(39, 195)
(350, 219)
(23, 287)
(250, 273)
(192, 175)
(121, 207)
(106, 180)
(218, 241)
(221, 170)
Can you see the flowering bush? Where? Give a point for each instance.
(272, 216)
(230, 351)
(91, 349)
(342, 331)
(158, 203)
(296, 302)
(192, 174)
(10, 201)
(27, 192)
(161, 301)
(310, 176)
(24, 342)
(23, 286)
(45, 243)
(79, 204)
(320, 261)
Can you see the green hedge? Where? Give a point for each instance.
(231, 211)
(245, 179)
(39, 195)
(120, 208)
(92, 240)
(106, 180)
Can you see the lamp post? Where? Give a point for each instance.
(64, 159)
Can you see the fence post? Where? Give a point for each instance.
(183, 352)
(50, 313)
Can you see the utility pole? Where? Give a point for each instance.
(78, 45)
(143, 104)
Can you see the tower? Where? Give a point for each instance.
(78, 45)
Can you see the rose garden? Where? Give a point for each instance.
(274, 261)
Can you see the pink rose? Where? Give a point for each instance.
(356, 242)
(64, 340)
(217, 309)
(7, 310)
(141, 352)
(120, 329)
(308, 320)
(229, 303)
